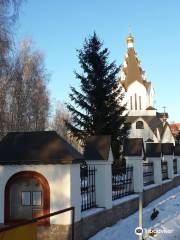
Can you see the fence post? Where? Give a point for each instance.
(103, 178)
(137, 164)
(75, 194)
(169, 160)
(168, 153)
(178, 164)
(157, 169)
(153, 154)
(103, 181)
(177, 156)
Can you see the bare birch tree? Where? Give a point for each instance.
(29, 99)
(58, 124)
(24, 98)
(8, 15)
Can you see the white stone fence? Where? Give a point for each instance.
(65, 183)
(105, 188)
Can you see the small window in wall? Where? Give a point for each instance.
(31, 198)
(131, 103)
(37, 198)
(139, 125)
(26, 198)
(135, 101)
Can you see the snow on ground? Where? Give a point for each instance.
(168, 221)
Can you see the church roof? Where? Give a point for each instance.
(41, 147)
(150, 108)
(162, 115)
(149, 140)
(152, 121)
(97, 147)
(132, 70)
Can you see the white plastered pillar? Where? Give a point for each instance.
(137, 164)
(169, 160)
(75, 190)
(103, 181)
(157, 169)
(178, 163)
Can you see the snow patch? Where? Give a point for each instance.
(91, 212)
(125, 199)
(168, 220)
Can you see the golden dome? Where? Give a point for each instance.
(130, 39)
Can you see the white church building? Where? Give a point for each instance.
(145, 121)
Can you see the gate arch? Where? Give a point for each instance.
(26, 176)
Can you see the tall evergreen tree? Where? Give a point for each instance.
(98, 107)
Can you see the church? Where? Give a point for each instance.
(145, 121)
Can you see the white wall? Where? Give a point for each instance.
(103, 178)
(151, 94)
(64, 182)
(142, 113)
(142, 133)
(140, 90)
(137, 164)
(167, 136)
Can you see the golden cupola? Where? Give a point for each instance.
(130, 41)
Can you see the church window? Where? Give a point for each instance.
(26, 198)
(135, 101)
(29, 198)
(131, 103)
(37, 198)
(139, 125)
(140, 102)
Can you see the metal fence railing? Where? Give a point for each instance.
(88, 187)
(164, 168)
(175, 165)
(148, 173)
(122, 182)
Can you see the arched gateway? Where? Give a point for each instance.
(27, 195)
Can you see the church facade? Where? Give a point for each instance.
(145, 121)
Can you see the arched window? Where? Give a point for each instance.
(139, 125)
(27, 195)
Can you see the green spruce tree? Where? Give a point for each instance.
(98, 108)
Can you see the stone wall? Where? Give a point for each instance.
(153, 193)
(89, 226)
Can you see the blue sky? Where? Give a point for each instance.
(59, 27)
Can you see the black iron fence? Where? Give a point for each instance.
(148, 173)
(88, 187)
(164, 168)
(175, 165)
(122, 182)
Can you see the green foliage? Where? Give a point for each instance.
(98, 108)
